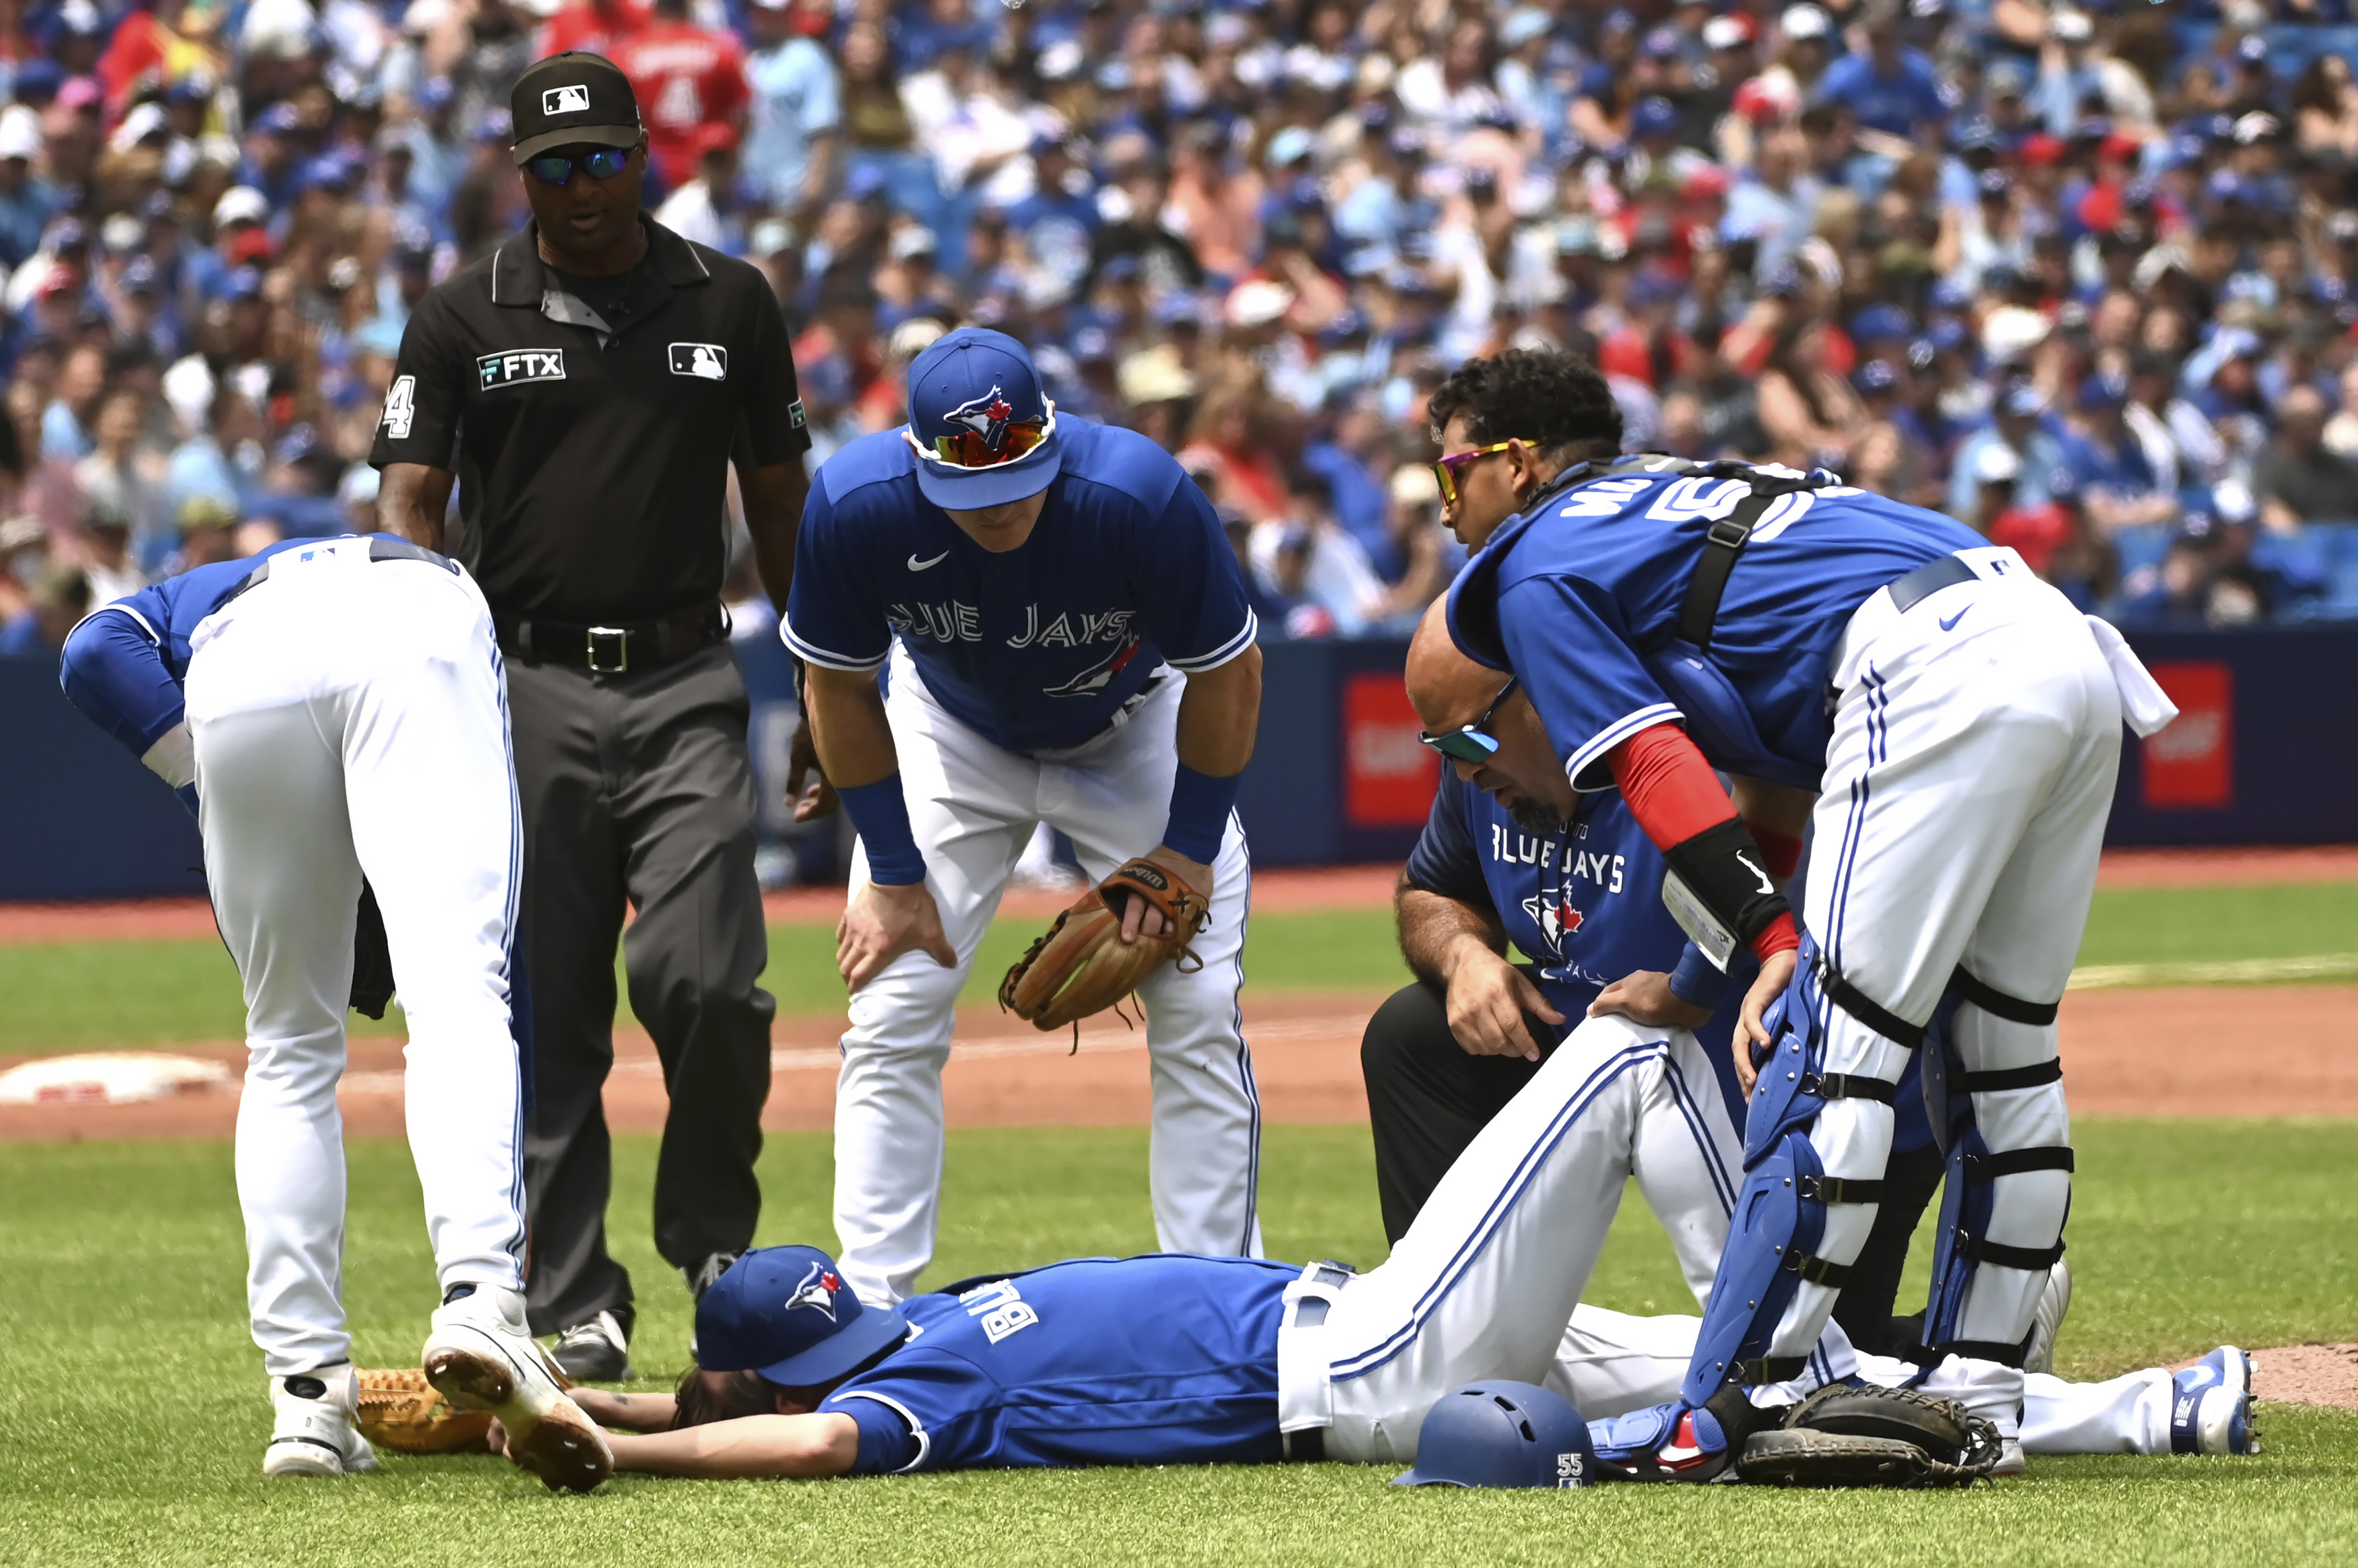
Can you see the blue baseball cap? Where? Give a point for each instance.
(970, 387)
(1500, 1433)
(785, 1312)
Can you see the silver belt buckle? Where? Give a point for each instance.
(609, 650)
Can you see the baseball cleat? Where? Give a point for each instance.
(312, 1433)
(597, 1351)
(2211, 1406)
(2010, 1459)
(2054, 1301)
(482, 1358)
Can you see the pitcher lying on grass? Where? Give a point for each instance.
(1175, 1359)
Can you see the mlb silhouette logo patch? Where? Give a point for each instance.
(565, 101)
(705, 361)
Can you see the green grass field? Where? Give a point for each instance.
(134, 1416)
(132, 1412)
(81, 996)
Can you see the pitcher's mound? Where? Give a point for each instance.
(2308, 1374)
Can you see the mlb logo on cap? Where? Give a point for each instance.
(572, 100)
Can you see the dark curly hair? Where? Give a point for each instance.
(1554, 400)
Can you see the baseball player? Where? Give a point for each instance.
(1961, 722)
(1488, 858)
(1168, 1360)
(304, 702)
(1183, 1360)
(1063, 636)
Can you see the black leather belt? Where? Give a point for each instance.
(612, 650)
(1939, 572)
(379, 550)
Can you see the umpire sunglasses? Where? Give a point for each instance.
(1472, 742)
(600, 163)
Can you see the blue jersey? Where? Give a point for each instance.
(125, 665)
(1164, 1359)
(1585, 906)
(1582, 599)
(1034, 648)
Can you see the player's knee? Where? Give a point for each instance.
(1400, 1031)
(2023, 1118)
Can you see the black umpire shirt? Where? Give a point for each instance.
(590, 440)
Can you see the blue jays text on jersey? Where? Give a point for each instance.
(1582, 597)
(1034, 648)
(1164, 1359)
(1584, 905)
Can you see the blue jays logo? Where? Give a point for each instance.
(1555, 924)
(986, 416)
(1102, 674)
(815, 1291)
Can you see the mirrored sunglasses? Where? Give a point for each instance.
(1447, 469)
(1472, 743)
(557, 169)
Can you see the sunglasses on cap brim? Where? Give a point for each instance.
(968, 449)
(1472, 742)
(600, 163)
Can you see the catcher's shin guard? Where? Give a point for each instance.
(2009, 1174)
(1781, 1214)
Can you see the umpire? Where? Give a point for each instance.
(587, 386)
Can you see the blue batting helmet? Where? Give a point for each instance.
(1503, 1435)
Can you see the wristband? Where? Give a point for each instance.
(881, 816)
(1779, 936)
(1200, 805)
(1697, 981)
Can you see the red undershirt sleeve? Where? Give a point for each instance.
(1674, 796)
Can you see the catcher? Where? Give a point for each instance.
(1062, 635)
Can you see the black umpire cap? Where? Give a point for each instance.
(571, 99)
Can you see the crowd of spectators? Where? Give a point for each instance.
(2082, 274)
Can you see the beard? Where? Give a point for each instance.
(1536, 819)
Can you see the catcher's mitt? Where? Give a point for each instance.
(1843, 1436)
(1082, 965)
(401, 1411)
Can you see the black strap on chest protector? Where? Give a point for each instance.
(1725, 540)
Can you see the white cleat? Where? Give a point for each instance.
(2054, 1301)
(481, 1357)
(2010, 1461)
(313, 1434)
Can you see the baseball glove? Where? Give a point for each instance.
(401, 1411)
(1843, 1436)
(1082, 965)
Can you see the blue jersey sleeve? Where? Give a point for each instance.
(1194, 596)
(1445, 862)
(114, 670)
(946, 1407)
(1564, 641)
(888, 1433)
(833, 617)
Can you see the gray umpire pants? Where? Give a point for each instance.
(637, 787)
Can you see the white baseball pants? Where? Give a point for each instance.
(973, 806)
(1966, 789)
(349, 718)
(1484, 1282)
(1610, 1363)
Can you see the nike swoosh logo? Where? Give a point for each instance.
(917, 566)
(1745, 860)
(1951, 623)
